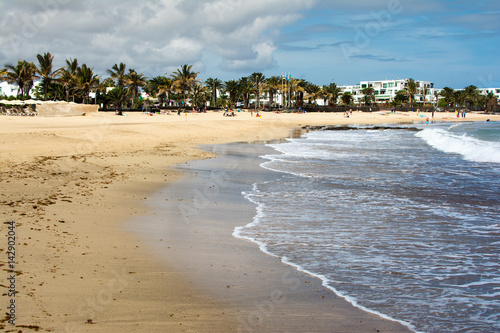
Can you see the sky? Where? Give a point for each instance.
(450, 43)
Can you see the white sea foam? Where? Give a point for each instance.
(470, 148)
(239, 233)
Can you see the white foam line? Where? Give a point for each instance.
(324, 280)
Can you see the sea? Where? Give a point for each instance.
(403, 222)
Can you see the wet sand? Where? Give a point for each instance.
(191, 230)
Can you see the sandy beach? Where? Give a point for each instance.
(72, 185)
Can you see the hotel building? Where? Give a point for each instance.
(386, 90)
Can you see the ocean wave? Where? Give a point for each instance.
(471, 149)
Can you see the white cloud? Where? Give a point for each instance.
(153, 33)
(261, 58)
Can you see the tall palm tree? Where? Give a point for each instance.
(166, 86)
(313, 92)
(459, 97)
(21, 75)
(213, 85)
(273, 85)
(246, 88)
(436, 97)
(346, 98)
(134, 81)
(68, 77)
(471, 95)
(297, 89)
(448, 95)
(198, 93)
(332, 92)
(425, 92)
(117, 72)
(411, 89)
(184, 78)
(46, 72)
(369, 93)
(86, 80)
(118, 96)
(258, 80)
(152, 84)
(232, 87)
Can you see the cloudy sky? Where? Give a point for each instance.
(451, 43)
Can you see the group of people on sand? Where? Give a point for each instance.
(460, 114)
(348, 114)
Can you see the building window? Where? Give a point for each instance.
(384, 85)
(363, 86)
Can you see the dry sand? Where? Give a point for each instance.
(70, 184)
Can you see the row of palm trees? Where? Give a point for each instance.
(184, 82)
(70, 81)
(470, 96)
(75, 82)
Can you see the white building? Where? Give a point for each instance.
(386, 90)
(494, 91)
(8, 89)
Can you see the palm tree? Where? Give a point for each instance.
(273, 85)
(86, 80)
(118, 72)
(297, 89)
(198, 93)
(459, 97)
(232, 87)
(332, 92)
(346, 98)
(117, 96)
(471, 95)
(213, 85)
(22, 75)
(184, 79)
(68, 77)
(448, 95)
(153, 84)
(436, 97)
(425, 92)
(313, 91)
(411, 89)
(369, 93)
(134, 81)
(166, 87)
(45, 71)
(245, 89)
(258, 80)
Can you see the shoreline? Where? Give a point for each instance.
(70, 183)
(196, 217)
